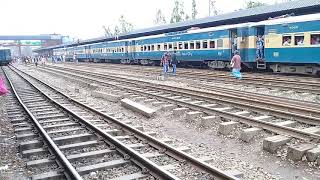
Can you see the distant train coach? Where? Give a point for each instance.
(5, 56)
(285, 45)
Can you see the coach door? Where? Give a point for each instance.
(87, 53)
(233, 41)
(132, 50)
(243, 42)
(260, 52)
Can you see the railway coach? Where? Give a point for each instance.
(209, 46)
(5, 56)
(291, 45)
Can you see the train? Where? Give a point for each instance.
(5, 56)
(291, 44)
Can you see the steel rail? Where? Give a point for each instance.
(263, 124)
(255, 76)
(246, 80)
(271, 106)
(151, 140)
(69, 169)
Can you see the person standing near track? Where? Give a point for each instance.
(236, 65)
(174, 62)
(260, 47)
(75, 58)
(165, 62)
(43, 61)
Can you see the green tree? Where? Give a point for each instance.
(212, 8)
(125, 25)
(122, 27)
(160, 19)
(194, 9)
(187, 17)
(107, 31)
(178, 13)
(116, 30)
(253, 4)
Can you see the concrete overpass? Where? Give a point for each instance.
(44, 40)
(31, 37)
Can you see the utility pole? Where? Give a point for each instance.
(19, 46)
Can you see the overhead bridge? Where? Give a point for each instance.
(30, 37)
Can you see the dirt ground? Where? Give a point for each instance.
(12, 166)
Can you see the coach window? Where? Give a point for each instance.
(170, 46)
(152, 47)
(165, 46)
(212, 44)
(141, 48)
(149, 48)
(175, 46)
(198, 44)
(158, 47)
(180, 46)
(286, 40)
(186, 45)
(205, 44)
(298, 40)
(220, 43)
(191, 45)
(315, 39)
(144, 48)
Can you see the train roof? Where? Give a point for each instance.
(194, 31)
(233, 26)
(298, 7)
(290, 19)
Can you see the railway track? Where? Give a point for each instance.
(282, 116)
(64, 138)
(299, 84)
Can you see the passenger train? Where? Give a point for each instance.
(291, 45)
(5, 56)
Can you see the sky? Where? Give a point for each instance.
(83, 19)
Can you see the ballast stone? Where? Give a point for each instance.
(225, 128)
(168, 107)
(193, 115)
(235, 173)
(313, 154)
(179, 111)
(146, 111)
(296, 152)
(207, 121)
(248, 134)
(107, 96)
(271, 144)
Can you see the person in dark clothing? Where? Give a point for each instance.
(174, 62)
